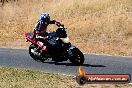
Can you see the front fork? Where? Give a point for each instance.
(70, 50)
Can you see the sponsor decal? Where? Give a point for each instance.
(83, 78)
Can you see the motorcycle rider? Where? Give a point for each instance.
(41, 27)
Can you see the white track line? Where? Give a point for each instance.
(107, 55)
(130, 83)
(68, 75)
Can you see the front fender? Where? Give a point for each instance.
(72, 47)
(70, 50)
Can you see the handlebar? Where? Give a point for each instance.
(62, 26)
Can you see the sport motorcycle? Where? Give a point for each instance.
(57, 47)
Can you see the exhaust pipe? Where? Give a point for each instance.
(32, 50)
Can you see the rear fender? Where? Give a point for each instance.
(25, 34)
(29, 39)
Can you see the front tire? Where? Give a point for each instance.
(77, 57)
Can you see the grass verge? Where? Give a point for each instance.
(97, 26)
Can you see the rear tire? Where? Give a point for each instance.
(77, 57)
(35, 57)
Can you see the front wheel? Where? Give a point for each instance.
(76, 57)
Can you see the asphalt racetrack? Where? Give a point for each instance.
(94, 64)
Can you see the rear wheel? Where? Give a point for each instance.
(33, 48)
(77, 57)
